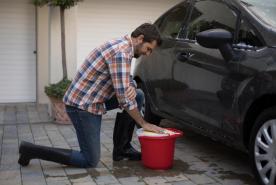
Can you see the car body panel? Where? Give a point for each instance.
(205, 92)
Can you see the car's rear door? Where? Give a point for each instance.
(157, 68)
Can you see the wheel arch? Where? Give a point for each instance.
(256, 107)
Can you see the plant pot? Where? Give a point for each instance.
(58, 111)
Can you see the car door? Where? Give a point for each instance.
(157, 67)
(207, 79)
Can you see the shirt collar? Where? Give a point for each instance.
(128, 37)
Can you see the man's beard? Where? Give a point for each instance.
(137, 53)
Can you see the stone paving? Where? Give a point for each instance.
(198, 160)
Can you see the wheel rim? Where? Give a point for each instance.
(265, 152)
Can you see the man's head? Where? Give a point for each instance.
(145, 38)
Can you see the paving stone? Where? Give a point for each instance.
(56, 138)
(10, 177)
(24, 133)
(233, 182)
(33, 114)
(106, 139)
(54, 171)
(57, 181)
(43, 113)
(109, 146)
(131, 180)
(184, 156)
(175, 178)
(33, 117)
(22, 117)
(81, 179)
(2, 111)
(183, 183)
(39, 132)
(69, 135)
(33, 174)
(21, 107)
(1, 138)
(200, 179)
(9, 162)
(84, 183)
(107, 179)
(111, 114)
(75, 171)
(10, 114)
(10, 132)
(156, 180)
(21, 114)
(9, 148)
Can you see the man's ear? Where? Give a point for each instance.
(140, 39)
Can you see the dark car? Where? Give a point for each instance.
(215, 72)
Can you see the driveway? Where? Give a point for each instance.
(198, 160)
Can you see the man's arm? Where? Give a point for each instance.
(136, 115)
(119, 69)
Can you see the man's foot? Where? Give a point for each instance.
(24, 159)
(129, 153)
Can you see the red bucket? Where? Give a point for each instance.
(158, 151)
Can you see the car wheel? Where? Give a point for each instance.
(263, 147)
(146, 108)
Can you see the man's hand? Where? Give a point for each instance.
(153, 128)
(136, 115)
(131, 93)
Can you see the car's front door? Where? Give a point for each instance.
(157, 67)
(208, 79)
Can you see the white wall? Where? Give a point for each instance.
(55, 43)
(92, 22)
(101, 20)
(42, 53)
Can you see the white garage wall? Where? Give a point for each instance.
(93, 22)
(55, 43)
(101, 20)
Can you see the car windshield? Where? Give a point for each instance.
(264, 10)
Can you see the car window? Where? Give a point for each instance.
(172, 22)
(208, 14)
(264, 10)
(247, 36)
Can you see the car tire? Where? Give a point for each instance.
(262, 147)
(146, 109)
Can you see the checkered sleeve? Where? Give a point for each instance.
(119, 68)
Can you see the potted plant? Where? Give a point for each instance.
(55, 92)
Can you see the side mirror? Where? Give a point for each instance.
(217, 39)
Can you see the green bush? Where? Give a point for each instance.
(57, 90)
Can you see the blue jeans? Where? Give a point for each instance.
(88, 127)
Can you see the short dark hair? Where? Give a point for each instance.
(150, 32)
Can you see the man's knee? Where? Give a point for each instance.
(140, 98)
(91, 163)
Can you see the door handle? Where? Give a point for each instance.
(184, 56)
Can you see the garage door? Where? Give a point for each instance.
(101, 20)
(17, 45)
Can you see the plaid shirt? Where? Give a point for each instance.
(104, 73)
